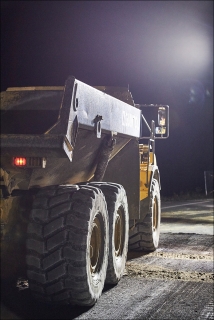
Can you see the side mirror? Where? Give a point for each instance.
(161, 116)
(158, 116)
(162, 131)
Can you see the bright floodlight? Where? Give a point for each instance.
(193, 52)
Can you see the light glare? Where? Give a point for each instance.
(194, 51)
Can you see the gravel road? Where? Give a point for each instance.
(175, 282)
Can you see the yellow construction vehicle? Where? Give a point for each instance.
(80, 186)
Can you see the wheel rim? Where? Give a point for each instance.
(119, 233)
(155, 215)
(96, 246)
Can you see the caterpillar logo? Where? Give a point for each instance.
(129, 120)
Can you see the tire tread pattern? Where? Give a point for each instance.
(56, 259)
(141, 236)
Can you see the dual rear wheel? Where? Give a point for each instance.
(117, 206)
(77, 240)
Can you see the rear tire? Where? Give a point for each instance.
(117, 205)
(67, 245)
(144, 236)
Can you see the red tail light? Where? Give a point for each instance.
(20, 162)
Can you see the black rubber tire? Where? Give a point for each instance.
(65, 223)
(117, 205)
(144, 235)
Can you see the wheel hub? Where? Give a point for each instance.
(155, 215)
(95, 245)
(119, 233)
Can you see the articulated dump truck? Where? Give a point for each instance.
(80, 186)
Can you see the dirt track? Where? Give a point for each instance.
(175, 282)
(182, 256)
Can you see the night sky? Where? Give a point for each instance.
(162, 50)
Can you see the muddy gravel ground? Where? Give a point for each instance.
(175, 282)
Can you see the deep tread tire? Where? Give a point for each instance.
(117, 205)
(65, 223)
(145, 235)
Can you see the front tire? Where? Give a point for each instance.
(67, 245)
(144, 236)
